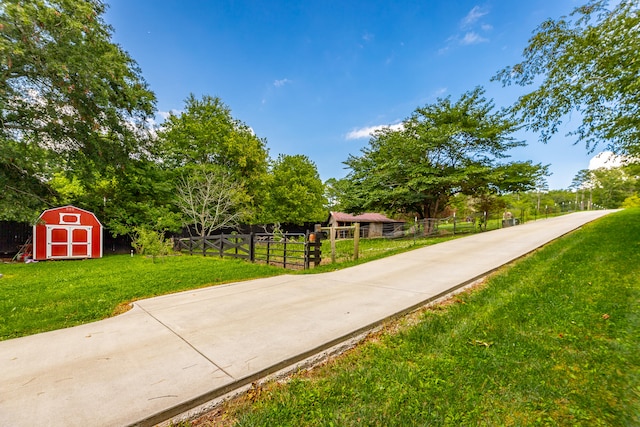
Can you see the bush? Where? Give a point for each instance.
(150, 242)
(631, 202)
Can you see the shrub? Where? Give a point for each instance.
(150, 242)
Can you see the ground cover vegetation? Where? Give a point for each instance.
(44, 296)
(370, 249)
(551, 340)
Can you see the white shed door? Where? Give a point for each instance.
(64, 241)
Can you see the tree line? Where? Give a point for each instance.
(76, 127)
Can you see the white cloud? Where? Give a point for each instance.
(280, 83)
(366, 132)
(607, 160)
(472, 38)
(440, 91)
(472, 17)
(368, 37)
(473, 27)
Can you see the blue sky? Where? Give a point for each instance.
(312, 77)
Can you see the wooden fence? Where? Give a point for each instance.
(289, 250)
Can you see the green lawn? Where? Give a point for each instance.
(552, 340)
(370, 249)
(51, 295)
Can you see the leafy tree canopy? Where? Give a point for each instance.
(607, 187)
(442, 149)
(206, 134)
(588, 62)
(69, 98)
(296, 192)
(143, 195)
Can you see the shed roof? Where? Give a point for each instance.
(365, 217)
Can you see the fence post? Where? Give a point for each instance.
(307, 249)
(221, 245)
(268, 250)
(333, 245)
(252, 247)
(317, 251)
(356, 241)
(454, 223)
(284, 255)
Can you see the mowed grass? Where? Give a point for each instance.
(371, 249)
(50, 295)
(552, 340)
(43, 296)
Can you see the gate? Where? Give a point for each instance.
(289, 250)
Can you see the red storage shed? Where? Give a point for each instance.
(67, 233)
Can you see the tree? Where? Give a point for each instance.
(142, 195)
(25, 193)
(210, 199)
(442, 149)
(69, 98)
(611, 186)
(296, 192)
(335, 192)
(588, 63)
(582, 184)
(206, 133)
(631, 202)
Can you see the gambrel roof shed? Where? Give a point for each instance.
(67, 233)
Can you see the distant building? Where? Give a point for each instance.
(371, 224)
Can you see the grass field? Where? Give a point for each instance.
(50, 295)
(370, 249)
(552, 340)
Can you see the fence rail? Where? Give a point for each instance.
(235, 245)
(289, 250)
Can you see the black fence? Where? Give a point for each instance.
(289, 250)
(13, 236)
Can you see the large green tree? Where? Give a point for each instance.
(70, 99)
(296, 192)
(205, 133)
(442, 149)
(587, 62)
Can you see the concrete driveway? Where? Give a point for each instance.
(171, 353)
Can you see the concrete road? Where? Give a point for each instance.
(173, 352)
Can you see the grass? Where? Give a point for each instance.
(371, 249)
(43, 296)
(552, 340)
(50, 295)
